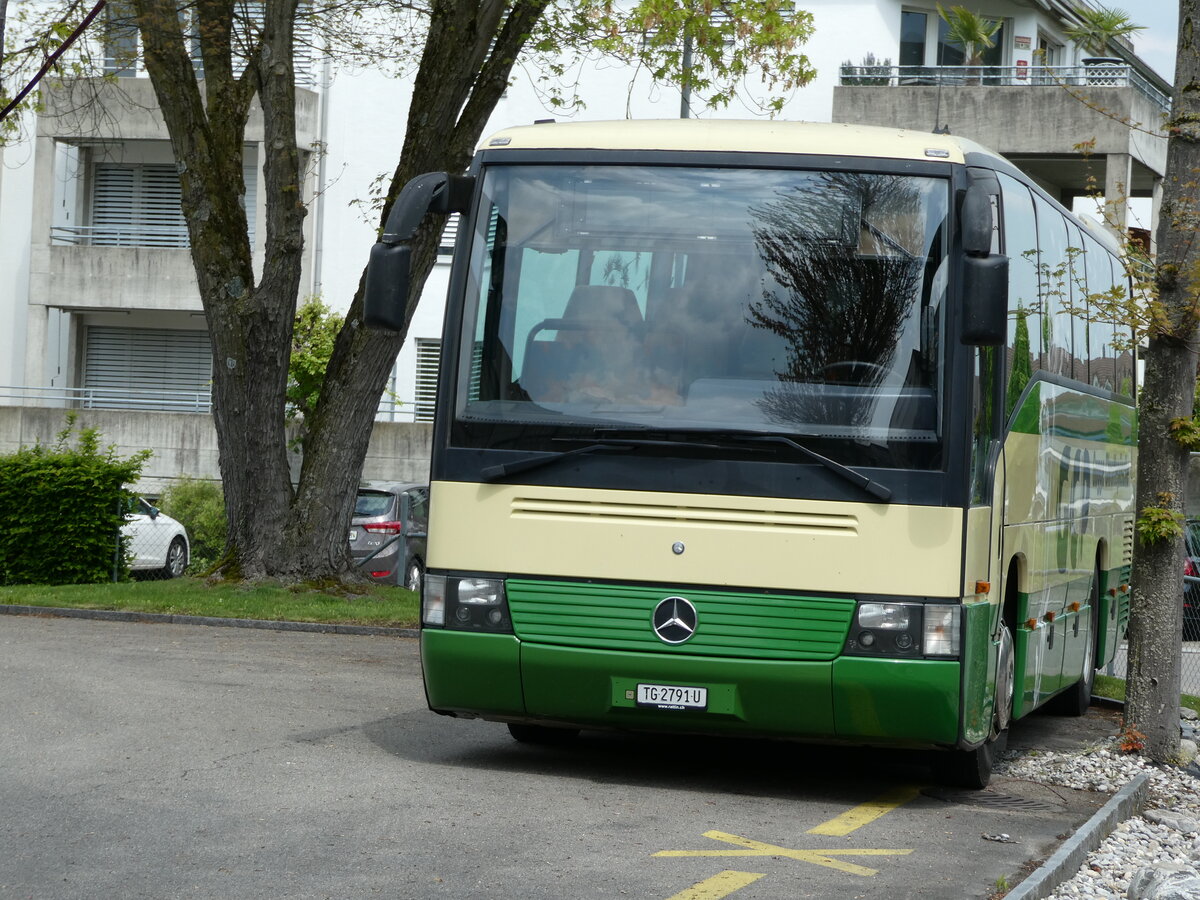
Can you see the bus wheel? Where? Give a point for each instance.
(970, 769)
(541, 734)
(1005, 681)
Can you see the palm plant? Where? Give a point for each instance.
(971, 31)
(1100, 27)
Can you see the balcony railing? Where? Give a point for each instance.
(390, 410)
(120, 236)
(1095, 75)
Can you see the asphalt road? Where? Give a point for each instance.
(168, 761)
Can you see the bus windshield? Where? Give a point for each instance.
(801, 303)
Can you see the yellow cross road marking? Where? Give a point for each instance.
(720, 885)
(823, 857)
(842, 825)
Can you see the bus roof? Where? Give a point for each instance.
(733, 136)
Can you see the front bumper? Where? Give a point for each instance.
(854, 699)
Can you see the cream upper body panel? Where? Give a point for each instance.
(745, 542)
(733, 136)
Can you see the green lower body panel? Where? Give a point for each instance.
(861, 700)
(472, 673)
(896, 700)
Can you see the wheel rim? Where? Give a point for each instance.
(1005, 680)
(175, 559)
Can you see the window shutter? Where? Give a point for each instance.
(429, 352)
(147, 368)
(137, 206)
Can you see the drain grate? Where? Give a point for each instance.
(992, 800)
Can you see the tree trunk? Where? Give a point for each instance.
(250, 324)
(451, 104)
(1155, 633)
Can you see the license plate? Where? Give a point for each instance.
(667, 696)
(353, 534)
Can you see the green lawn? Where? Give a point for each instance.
(368, 604)
(1114, 689)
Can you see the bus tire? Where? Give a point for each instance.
(542, 735)
(1076, 699)
(970, 769)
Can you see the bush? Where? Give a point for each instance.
(200, 506)
(61, 509)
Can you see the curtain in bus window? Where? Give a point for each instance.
(1024, 315)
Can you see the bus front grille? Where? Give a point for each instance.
(619, 617)
(676, 515)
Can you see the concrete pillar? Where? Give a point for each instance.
(37, 319)
(1118, 176)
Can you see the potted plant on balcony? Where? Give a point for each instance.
(971, 31)
(1097, 30)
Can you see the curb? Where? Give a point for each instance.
(111, 615)
(1066, 860)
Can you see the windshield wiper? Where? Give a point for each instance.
(598, 445)
(874, 488)
(525, 463)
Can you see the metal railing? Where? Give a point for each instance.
(120, 236)
(1092, 75)
(390, 409)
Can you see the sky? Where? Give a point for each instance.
(1156, 45)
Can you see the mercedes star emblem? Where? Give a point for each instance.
(674, 620)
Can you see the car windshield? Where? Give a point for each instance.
(372, 503)
(803, 303)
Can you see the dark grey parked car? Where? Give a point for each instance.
(388, 531)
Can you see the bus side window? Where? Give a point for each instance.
(1024, 307)
(1054, 277)
(1102, 330)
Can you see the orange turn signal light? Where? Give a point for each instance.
(1031, 624)
(1075, 606)
(982, 587)
(1049, 617)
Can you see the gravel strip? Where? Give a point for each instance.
(1152, 855)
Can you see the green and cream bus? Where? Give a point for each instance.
(771, 429)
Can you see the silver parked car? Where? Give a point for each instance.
(388, 531)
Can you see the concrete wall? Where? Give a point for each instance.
(186, 443)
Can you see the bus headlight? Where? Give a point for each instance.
(942, 629)
(467, 603)
(433, 600)
(904, 629)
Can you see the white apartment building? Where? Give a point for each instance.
(99, 304)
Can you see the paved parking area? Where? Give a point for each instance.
(184, 761)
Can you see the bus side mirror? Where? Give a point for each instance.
(388, 273)
(985, 300)
(389, 269)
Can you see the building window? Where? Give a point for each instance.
(147, 368)
(912, 38)
(136, 206)
(139, 206)
(950, 54)
(429, 352)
